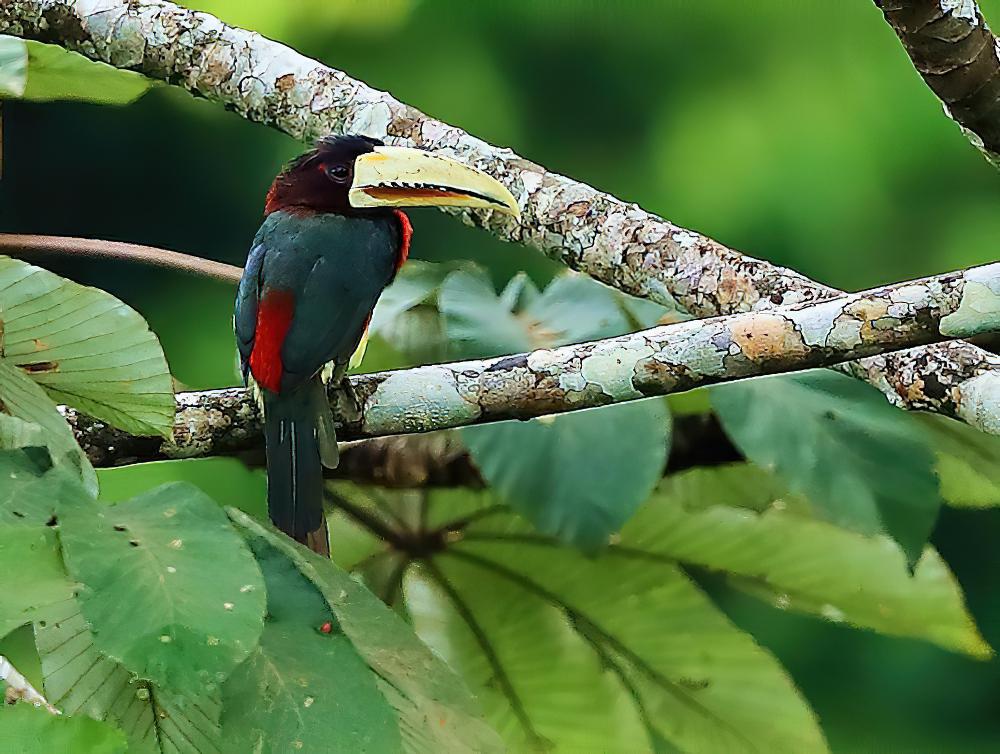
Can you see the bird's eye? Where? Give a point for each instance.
(338, 173)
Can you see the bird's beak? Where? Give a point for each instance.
(403, 177)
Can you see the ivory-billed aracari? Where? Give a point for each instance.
(331, 241)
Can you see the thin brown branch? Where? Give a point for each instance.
(32, 247)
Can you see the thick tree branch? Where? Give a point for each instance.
(613, 241)
(957, 55)
(658, 361)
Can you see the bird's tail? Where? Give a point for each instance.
(300, 439)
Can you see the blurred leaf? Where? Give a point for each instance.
(436, 713)
(194, 594)
(55, 73)
(301, 688)
(774, 551)
(23, 399)
(86, 348)
(13, 66)
(578, 475)
(416, 283)
(968, 462)
(32, 554)
(530, 624)
(861, 461)
(26, 729)
(33, 487)
(573, 309)
(79, 680)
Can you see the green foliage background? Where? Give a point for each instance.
(793, 130)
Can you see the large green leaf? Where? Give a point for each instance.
(35, 71)
(835, 439)
(435, 711)
(13, 66)
(301, 688)
(529, 623)
(25, 729)
(578, 475)
(968, 462)
(79, 680)
(769, 547)
(32, 553)
(22, 399)
(194, 593)
(86, 348)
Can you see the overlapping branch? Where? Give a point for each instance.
(957, 55)
(611, 240)
(652, 362)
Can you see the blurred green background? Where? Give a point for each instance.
(792, 130)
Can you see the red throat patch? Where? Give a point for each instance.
(274, 317)
(406, 233)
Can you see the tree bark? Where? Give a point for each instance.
(596, 233)
(658, 361)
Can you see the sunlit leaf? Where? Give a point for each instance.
(26, 729)
(86, 348)
(529, 623)
(55, 73)
(79, 680)
(194, 593)
(770, 546)
(861, 461)
(968, 462)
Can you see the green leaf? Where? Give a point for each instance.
(55, 73)
(13, 66)
(577, 475)
(416, 283)
(22, 399)
(32, 553)
(968, 462)
(33, 487)
(771, 547)
(862, 462)
(302, 688)
(194, 593)
(435, 711)
(26, 729)
(529, 623)
(86, 348)
(79, 680)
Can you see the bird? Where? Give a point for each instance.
(333, 237)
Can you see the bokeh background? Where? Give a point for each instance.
(792, 130)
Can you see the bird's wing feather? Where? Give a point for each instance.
(247, 299)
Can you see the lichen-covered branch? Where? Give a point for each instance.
(957, 55)
(658, 361)
(611, 240)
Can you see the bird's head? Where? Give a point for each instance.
(359, 175)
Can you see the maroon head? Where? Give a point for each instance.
(355, 175)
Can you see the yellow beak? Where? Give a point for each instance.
(403, 177)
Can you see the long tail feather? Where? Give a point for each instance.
(292, 428)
